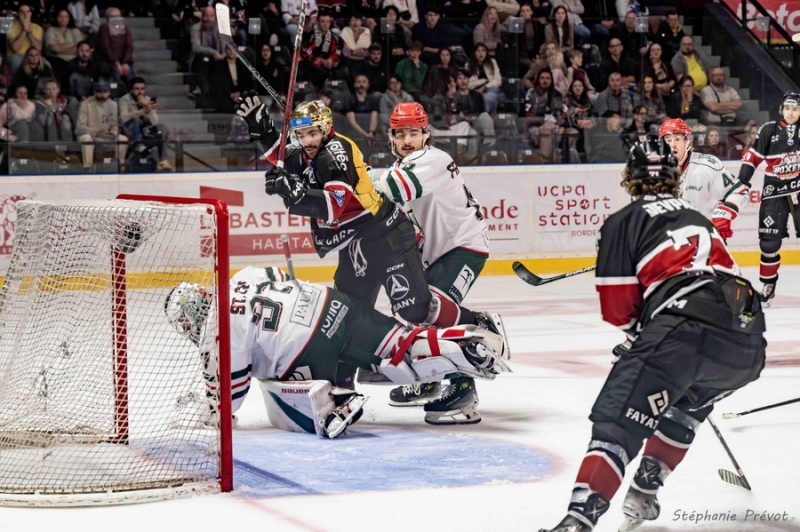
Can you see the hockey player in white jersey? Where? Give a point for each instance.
(705, 182)
(290, 336)
(454, 243)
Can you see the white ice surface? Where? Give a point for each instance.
(560, 356)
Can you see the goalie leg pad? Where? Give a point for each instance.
(299, 406)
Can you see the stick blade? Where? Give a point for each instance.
(525, 274)
(730, 415)
(223, 19)
(732, 478)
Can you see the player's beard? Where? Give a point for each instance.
(313, 150)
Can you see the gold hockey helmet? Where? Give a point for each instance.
(313, 113)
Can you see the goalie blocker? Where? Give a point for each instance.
(293, 331)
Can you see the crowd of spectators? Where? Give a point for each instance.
(566, 74)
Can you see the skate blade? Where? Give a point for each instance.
(410, 403)
(630, 523)
(453, 417)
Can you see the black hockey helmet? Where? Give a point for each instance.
(789, 98)
(651, 160)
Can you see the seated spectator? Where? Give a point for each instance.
(375, 68)
(713, 145)
(640, 130)
(546, 54)
(721, 101)
(505, 8)
(466, 13)
(533, 38)
(690, 63)
(669, 35)
(336, 9)
(614, 102)
(412, 70)
(24, 34)
(634, 44)
(83, 73)
(434, 34)
(396, 43)
(61, 45)
(5, 78)
(98, 121)
(16, 117)
(357, 40)
(580, 113)
(576, 71)
(393, 95)
(86, 17)
(54, 113)
(542, 10)
(362, 110)
(574, 11)
(686, 105)
(467, 105)
(605, 145)
(273, 70)
(485, 77)
(741, 141)
(627, 6)
(407, 16)
(229, 79)
(207, 49)
(652, 100)
(370, 10)
(617, 62)
(438, 75)
(290, 11)
(115, 45)
(140, 123)
(321, 53)
(31, 71)
(543, 107)
(660, 70)
(559, 31)
(489, 31)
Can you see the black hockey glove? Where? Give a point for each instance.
(620, 350)
(289, 187)
(259, 123)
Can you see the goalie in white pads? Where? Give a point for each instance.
(290, 336)
(454, 242)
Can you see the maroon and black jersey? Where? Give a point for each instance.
(647, 243)
(778, 145)
(318, 46)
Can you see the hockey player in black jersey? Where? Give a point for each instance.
(664, 277)
(778, 145)
(325, 178)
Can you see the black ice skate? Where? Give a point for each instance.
(457, 406)
(641, 503)
(492, 322)
(767, 293)
(582, 517)
(415, 394)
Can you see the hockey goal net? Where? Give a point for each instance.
(102, 401)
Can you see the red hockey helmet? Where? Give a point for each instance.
(408, 115)
(675, 126)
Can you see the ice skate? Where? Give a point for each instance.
(640, 503)
(493, 322)
(457, 406)
(415, 394)
(582, 517)
(767, 293)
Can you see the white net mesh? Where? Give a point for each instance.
(98, 392)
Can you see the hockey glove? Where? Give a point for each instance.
(259, 123)
(620, 350)
(289, 187)
(723, 226)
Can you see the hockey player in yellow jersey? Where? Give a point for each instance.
(454, 243)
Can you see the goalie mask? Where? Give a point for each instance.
(651, 161)
(408, 115)
(309, 114)
(187, 307)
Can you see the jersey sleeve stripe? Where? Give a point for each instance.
(615, 281)
(396, 197)
(415, 181)
(403, 182)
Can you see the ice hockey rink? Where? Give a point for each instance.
(511, 472)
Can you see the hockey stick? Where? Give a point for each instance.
(731, 415)
(532, 279)
(729, 476)
(287, 116)
(224, 26)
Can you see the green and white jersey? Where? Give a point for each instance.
(429, 187)
(711, 189)
(262, 304)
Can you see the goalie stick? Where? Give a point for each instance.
(534, 280)
(729, 476)
(224, 26)
(731, 415)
